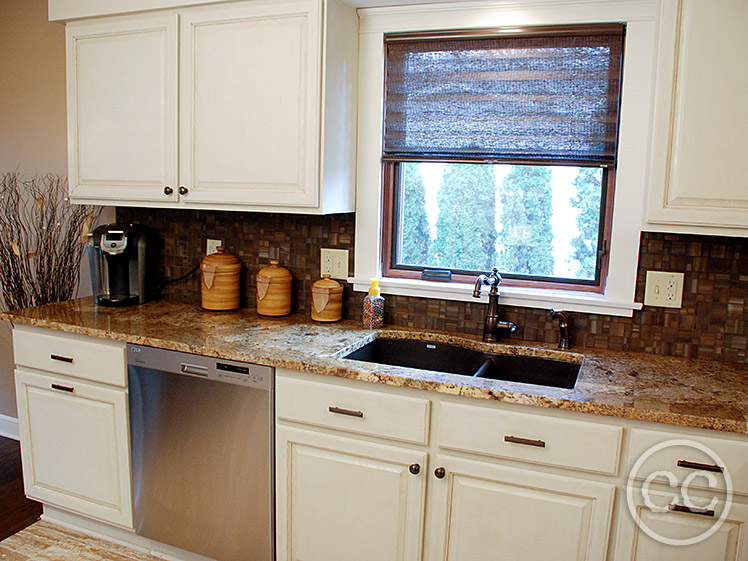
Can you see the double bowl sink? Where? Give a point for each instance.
(513, 366)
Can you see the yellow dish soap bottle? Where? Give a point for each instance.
(374, 307)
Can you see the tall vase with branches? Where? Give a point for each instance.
(42, 237)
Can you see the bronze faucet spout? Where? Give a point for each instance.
(493, 325)
(563, 328)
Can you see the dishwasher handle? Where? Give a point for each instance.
(186, 368)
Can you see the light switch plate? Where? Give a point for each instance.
(664, 289)
(334, 262)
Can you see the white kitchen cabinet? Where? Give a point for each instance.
(351, 484)
(725, 543)
(74, 434)
(696, 181)
(340, 499)
(481, 510)
(266, 104)
(122, 109)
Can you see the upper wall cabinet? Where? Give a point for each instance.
(236, 106)
(696, 182)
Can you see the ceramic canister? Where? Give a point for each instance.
(274, 290)
(219, 280)
(327, 300)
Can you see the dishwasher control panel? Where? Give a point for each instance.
(210, 368)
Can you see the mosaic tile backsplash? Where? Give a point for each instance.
(711, 324)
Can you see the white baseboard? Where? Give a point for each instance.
(9, 427)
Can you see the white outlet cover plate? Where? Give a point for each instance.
(664, 289)
(334, 262)
(211, 246)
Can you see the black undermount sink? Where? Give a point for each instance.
(453, 359)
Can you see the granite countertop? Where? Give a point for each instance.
(678, 391)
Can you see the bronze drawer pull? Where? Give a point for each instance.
(348, 412)
(525, 441)
(690, 510)
(62, 388)
(62, 358)
(697, 465)
(415, 469)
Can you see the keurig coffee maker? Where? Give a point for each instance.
(123, 268)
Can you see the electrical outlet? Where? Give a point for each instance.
(212, 245)
(334, 262)
(664, 289)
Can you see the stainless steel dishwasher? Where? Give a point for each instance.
(201, 431)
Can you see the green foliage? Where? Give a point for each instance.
(416, 239)
(465, 229)
(587, 200)
(526, 237)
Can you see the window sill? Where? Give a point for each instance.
(510, 296)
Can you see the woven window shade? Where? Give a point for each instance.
(522, 97)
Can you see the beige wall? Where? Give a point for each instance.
(32, 118)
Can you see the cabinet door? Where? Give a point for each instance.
(249, 116)
(696, 179)
(75, 446)
(339, 499)
(485, 512)
(122, 108)
(725, 543)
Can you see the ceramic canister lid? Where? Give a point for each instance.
(217, 263)
(322, 290)
(266, 275)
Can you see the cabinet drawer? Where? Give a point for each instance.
(531, 438)
(98, 360)
(684, 455)
(352, 409)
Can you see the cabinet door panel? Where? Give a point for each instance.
(482, 510)
(339, 499)
(727, 543)
(122, 101)
(700, 118)
(74, 440)
(249, 116)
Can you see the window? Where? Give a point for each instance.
(500, 150)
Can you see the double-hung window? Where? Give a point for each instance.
(499, 150)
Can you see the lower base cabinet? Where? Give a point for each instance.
(340, 499)
(484, 512)
(665, 533)
(75, 445)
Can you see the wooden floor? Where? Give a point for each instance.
(16, 511)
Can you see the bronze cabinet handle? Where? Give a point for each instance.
(349, 412)
(183, 190)
(69, 389)
(415, 469)
(525, 441)
(690, 510)
(696, 465)
(440, 472)
(62, 358)
(168, 190)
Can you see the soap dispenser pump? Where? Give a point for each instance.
(374, 307)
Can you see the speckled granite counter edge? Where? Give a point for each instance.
(332, 365)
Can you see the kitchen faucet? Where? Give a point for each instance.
(563, 328)
(493, 324)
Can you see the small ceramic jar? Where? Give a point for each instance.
(327, 300)
(219, 280)
(274, 290)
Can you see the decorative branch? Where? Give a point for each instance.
(42, 240)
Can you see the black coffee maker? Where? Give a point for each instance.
(123, 264)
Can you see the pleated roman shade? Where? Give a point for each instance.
(550, 95)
